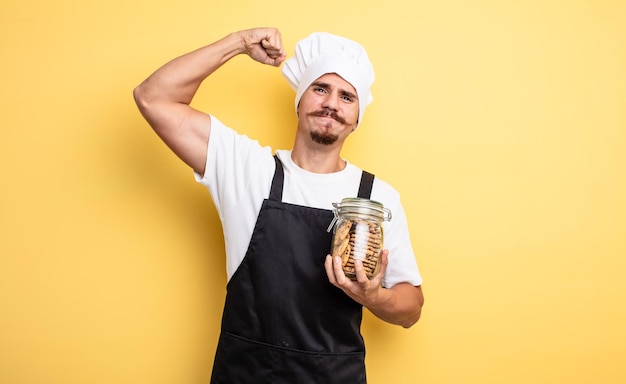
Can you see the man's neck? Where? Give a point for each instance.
(318, 161)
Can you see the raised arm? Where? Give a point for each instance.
(164, 97)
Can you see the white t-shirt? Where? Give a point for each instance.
(239, 174)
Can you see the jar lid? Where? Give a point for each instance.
(360, 206)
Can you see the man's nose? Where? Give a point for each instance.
(331, 101)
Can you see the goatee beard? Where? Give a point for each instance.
(324, 139)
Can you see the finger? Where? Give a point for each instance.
(339, 275)
(384, 259)
(384, 262)
(361, 275)
(274, 50)
(328, 266)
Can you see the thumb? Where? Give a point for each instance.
(274, 51)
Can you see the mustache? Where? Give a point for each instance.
(327, 112)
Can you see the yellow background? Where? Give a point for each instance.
(502, 123)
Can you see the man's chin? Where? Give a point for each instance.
(324, 139)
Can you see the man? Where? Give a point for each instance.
(291, 315)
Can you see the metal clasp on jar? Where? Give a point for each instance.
(359, 206)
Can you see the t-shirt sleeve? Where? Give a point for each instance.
(402, 266)
(233, 162)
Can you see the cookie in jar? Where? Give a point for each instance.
(358, 234)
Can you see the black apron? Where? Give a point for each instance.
(283, 321)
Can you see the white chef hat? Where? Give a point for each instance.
(321, 53)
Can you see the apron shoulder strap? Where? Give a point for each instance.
(365, 188)
(276, 191)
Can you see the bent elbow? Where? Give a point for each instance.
(414, 317)
(139, 95)
(411, 321)
(146, 102)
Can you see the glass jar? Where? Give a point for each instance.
(358, 234)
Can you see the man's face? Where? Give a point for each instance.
(329, 109)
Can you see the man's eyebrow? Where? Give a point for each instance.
(320, 84)
(327, 85)
(349, 94)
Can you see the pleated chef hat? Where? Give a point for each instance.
(321, 53)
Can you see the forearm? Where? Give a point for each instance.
(178, 80)
(400, 305)
(164, 97)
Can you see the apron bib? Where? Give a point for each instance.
(283, 322)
